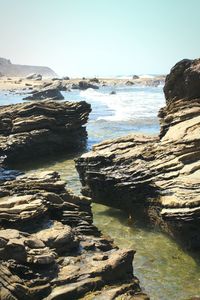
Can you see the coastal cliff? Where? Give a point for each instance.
(14, 70)
(156, 177)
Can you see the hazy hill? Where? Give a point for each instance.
(9, 69)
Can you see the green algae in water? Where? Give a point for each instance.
(163, 268)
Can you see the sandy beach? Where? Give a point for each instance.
(18, 83)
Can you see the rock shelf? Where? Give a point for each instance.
(49, 248)
(34, 129)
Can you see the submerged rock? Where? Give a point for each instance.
(35, 129)
(49, 248)
(113, 93)
(158, 176)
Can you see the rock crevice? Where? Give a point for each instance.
(160, 174)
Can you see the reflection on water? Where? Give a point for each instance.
(63, 164)
(164, 269)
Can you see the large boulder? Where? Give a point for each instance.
(183, 80)
(84, 85)
(41, 128)
(156, 177)
(49, 93)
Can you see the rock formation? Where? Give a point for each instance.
(34, 76)
(9, 69)
(49, 93)
(84, 85)
(40, 128)
(158, 176)
(49, 248)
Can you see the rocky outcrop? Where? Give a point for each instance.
(9, 69)
(84, 85)
(40, 128)
(158, 177)
(49, 248)
(34, 76)
(49, 93)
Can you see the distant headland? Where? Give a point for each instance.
(14, 70)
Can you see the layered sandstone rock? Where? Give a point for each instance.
(38, 129)
(156, 175)
(49, 248)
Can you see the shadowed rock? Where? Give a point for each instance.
(46, 94)
(158, 176)
(84, 85)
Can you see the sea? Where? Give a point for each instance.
(165, 270)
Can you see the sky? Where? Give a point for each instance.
(100, 37)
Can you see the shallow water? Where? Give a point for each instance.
(164, 269)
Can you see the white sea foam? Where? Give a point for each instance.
(128, 103)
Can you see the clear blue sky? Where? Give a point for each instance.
(100, 37)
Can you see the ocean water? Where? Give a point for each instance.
(131, 109)
(163, 268)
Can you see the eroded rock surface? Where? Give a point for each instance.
(38, 129)
(156, 175)
(49, 248)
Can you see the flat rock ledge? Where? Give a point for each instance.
(40, 128)
(156, 177)
(49, 248)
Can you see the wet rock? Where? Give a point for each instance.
(156, 177)
(41, 128)
(84, 85)
(52, 93)
(6, 174)
(95, 80)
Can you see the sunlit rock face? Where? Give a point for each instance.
(159, 176)
(40, 128)
(49, 248)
